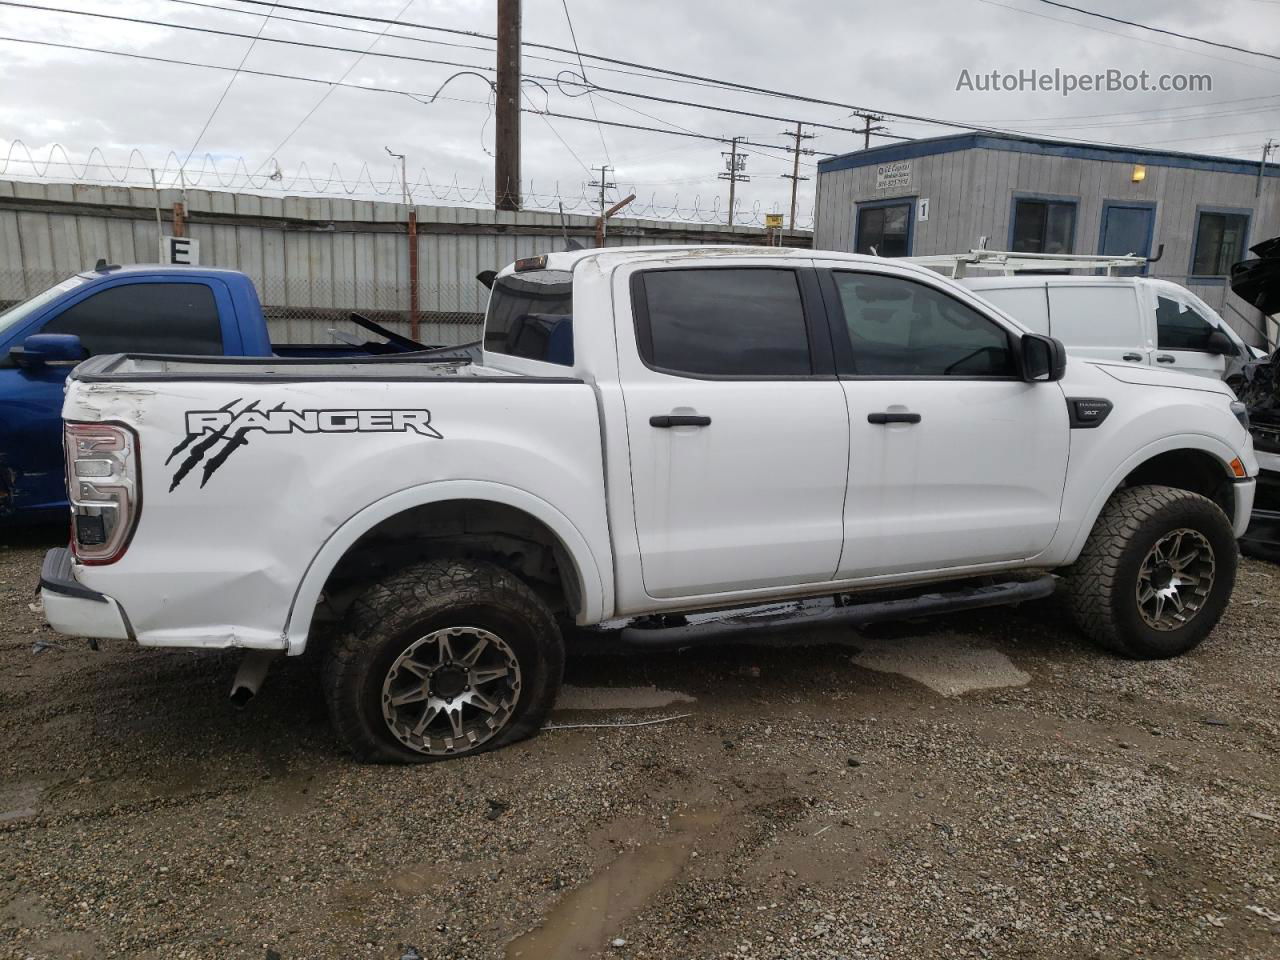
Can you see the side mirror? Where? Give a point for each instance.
(1221, 344)
(1043, 358)
(42, 349)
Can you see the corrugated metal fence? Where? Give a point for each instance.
(313, 260)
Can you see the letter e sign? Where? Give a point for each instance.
(179, 251)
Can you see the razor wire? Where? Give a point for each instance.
(209, 174)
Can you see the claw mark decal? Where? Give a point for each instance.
(206, 429)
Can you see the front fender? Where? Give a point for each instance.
(595, 589)
(1204, 443)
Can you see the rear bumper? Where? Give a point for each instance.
(72, 608)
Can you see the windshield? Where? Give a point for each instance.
(531, 315)
(15, 315)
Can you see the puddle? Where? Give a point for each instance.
(942, 664)
(584, 921)
(618, 698)
(18, 801)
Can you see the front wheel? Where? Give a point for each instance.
(442, 659)
(1155, 574)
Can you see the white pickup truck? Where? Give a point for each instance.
(650, 433)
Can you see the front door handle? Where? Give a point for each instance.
(1133, 357)
(893, 418)
(1164, 358)
(668, 420)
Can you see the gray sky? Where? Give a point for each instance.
(905, 56)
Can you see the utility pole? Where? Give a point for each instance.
(1262, 167)
(412, 217)
(794, 175)
(506, 152)
(604, 184)
(735, 171)
(870, 124)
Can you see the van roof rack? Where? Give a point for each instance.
(1007, 263)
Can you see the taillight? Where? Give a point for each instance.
(102, 483)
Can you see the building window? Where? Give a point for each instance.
(886, 227)
(1219, 243)
(1043, 226)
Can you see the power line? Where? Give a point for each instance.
(227, 89)
(588, 88)
(1127, 36)
(339, 83)
(1168, 33)
(590, 99)
(683, 76)
(325, 96)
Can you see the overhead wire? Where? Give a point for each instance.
(1170, 33)
(227, 89)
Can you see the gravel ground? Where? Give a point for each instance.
(816, 802)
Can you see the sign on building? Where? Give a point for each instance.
(893, 176)
(773, 221)
(179, 251)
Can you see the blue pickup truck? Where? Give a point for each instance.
(112, 309)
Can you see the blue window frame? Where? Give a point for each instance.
(886, 225)
(1221, 239)
(1041, 223)
(1128, 226)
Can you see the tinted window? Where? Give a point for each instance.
(1043, 226)
(902, 328)
(736, 322)
(1219, 243)
(531, 315)
(1093, 315)
(886, 229)
(1179, 327)
(144, 318)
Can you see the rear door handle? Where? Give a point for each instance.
(1133, 357)
(1164, 358)
(893, 418)
(668, 420)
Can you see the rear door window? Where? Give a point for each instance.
(1095, 316)
(177, 318)
(531, 316)
(722, 321)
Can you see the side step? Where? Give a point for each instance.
(814, 614)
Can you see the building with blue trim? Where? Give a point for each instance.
(944, 194)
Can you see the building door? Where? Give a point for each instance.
(1127, 230)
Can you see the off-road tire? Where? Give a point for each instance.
(387, 619)
(1102, 583)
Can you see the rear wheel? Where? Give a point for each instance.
(1155, 574)
(444, 658)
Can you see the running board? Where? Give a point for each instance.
(813, 614)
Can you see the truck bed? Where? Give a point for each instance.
(136, 368)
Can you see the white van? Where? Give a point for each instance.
(1133, 319)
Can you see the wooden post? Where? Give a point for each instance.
(506, 147)
(179, 220)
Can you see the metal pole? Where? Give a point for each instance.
(413, 273)
(1266, 151)
(506, 163)
(159, 223)
(733, 175)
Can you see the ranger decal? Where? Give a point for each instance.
(206, 429)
